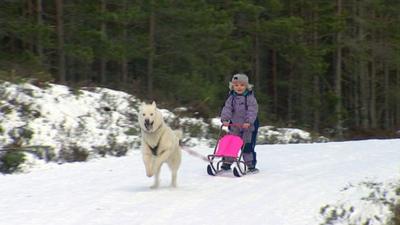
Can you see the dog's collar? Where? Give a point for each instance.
(154, 150)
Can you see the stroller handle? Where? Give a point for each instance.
(233, 125)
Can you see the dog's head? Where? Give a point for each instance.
(150, 118)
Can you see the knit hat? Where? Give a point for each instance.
(242, 78)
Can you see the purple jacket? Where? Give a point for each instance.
(235, 111)
(235, 108)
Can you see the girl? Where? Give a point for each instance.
(241, 108)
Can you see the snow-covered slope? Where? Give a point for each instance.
(61, 124)
(302, 184)
(55, 116)
(72, 125)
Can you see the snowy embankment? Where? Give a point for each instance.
(71, 123)
(296, 184)
(59, 124)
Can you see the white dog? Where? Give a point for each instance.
(159, 144)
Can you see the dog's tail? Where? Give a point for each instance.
(179, 134)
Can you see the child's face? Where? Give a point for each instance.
(239, 87)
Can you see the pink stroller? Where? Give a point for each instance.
(228, 148)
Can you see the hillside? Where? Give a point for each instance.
(54, 123)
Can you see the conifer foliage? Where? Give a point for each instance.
(323, 65)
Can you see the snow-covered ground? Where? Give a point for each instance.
(304, 184)
(295, 185)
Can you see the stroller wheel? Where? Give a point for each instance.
(239, 169)
(236, 172)
(210, 170)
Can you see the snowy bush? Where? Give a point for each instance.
(395, 209)
(113, 148)
(395, 220)
(273, 135)
(10, 161)
(73, 153)
(356, 207)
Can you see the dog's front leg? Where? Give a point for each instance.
(160, 159)
(148, 161)
(156, 179)
(173, 178)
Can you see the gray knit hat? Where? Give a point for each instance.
(240, 77)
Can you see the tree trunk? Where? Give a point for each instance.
(124, 69)
(355, 87)
(356, 92)
(316, 81)
(60, 38)
(291, 82)
(124, 63)
(372, 101)
(274, 82)
(398, 97)
(103, 60)
(364, 91)
(364, 94)
(338, 77)
(317, 105)
(29, 15)
(386, 109)
(374, 118)
(30, 8)
(290, 96)
(257, 62)
(39, 18)
(150, 64)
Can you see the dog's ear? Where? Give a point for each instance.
(154, 104)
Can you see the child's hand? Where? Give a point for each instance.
(246, 125)
(225, 124)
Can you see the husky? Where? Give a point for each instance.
(160, 144)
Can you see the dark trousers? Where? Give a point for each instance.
(249, 155)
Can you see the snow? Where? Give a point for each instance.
(294, 183)
(303, 184)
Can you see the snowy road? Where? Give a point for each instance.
(294, 183)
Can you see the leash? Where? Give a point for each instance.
(194, 153)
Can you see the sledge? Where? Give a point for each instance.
(228, 147)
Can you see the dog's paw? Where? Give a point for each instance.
(154, 186)
(149, 174)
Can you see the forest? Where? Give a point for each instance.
(328, 66)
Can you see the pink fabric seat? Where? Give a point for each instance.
(229, 146)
